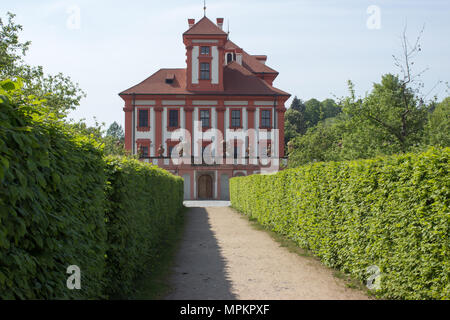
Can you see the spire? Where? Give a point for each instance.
(204, 8)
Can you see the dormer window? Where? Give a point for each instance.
(204, 51)
(169, 78)
(230, 57)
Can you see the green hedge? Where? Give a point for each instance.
(63, 203)
(390, 212)
(51, 209)
(144, 202)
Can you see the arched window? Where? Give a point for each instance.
(229, 57)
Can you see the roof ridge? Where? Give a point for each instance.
(209, 27)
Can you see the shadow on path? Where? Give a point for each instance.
(199, 272)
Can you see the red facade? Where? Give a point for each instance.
(222, 105)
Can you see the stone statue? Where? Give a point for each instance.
(161, 150)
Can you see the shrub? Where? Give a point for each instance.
(51, 207)
(62, 203)
(144, 202)
(391, 212)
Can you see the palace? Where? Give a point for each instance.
(223, 104)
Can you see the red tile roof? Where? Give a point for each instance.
(156, 83)
(205, 27)
(237, 81)
(240, 80)
(249, 61)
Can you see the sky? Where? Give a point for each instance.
(315, 45)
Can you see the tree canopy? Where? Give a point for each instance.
(390, 119)
(59, 91)
(395, 117)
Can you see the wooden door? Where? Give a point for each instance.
(205, 187)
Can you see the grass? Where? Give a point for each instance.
(155, 283)
(294, 248)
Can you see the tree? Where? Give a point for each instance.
(329, 109)
(298, 105)
(116, 131)
(60, 93)
(301, 116)
(320, 143)
(312, 112)
(294, 123)
(437, 132)
(114, 140)
(12, 50)
(388, 120)
(391, 119)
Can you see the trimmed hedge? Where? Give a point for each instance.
(63, 203)
(51, 209)
(391, 212)
(144, 202)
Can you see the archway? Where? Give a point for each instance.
(205, 187)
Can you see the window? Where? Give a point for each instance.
(235, 118)
(204, 71)
(266, 151)
(143, 119)
(144, 151)
(236, 152)
(172, 147)
(143, 147)
(230, 57)
(205, 118)
(266, 119)
(169, 78)
(173, 118)
(204, 51)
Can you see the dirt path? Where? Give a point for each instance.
(223, 257)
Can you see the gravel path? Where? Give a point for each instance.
(223, 257)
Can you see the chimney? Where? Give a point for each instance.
(191, 22)
(220, 23)
(261, 58)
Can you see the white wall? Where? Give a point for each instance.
(187, 186)
(195, 53)
(215, 65)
